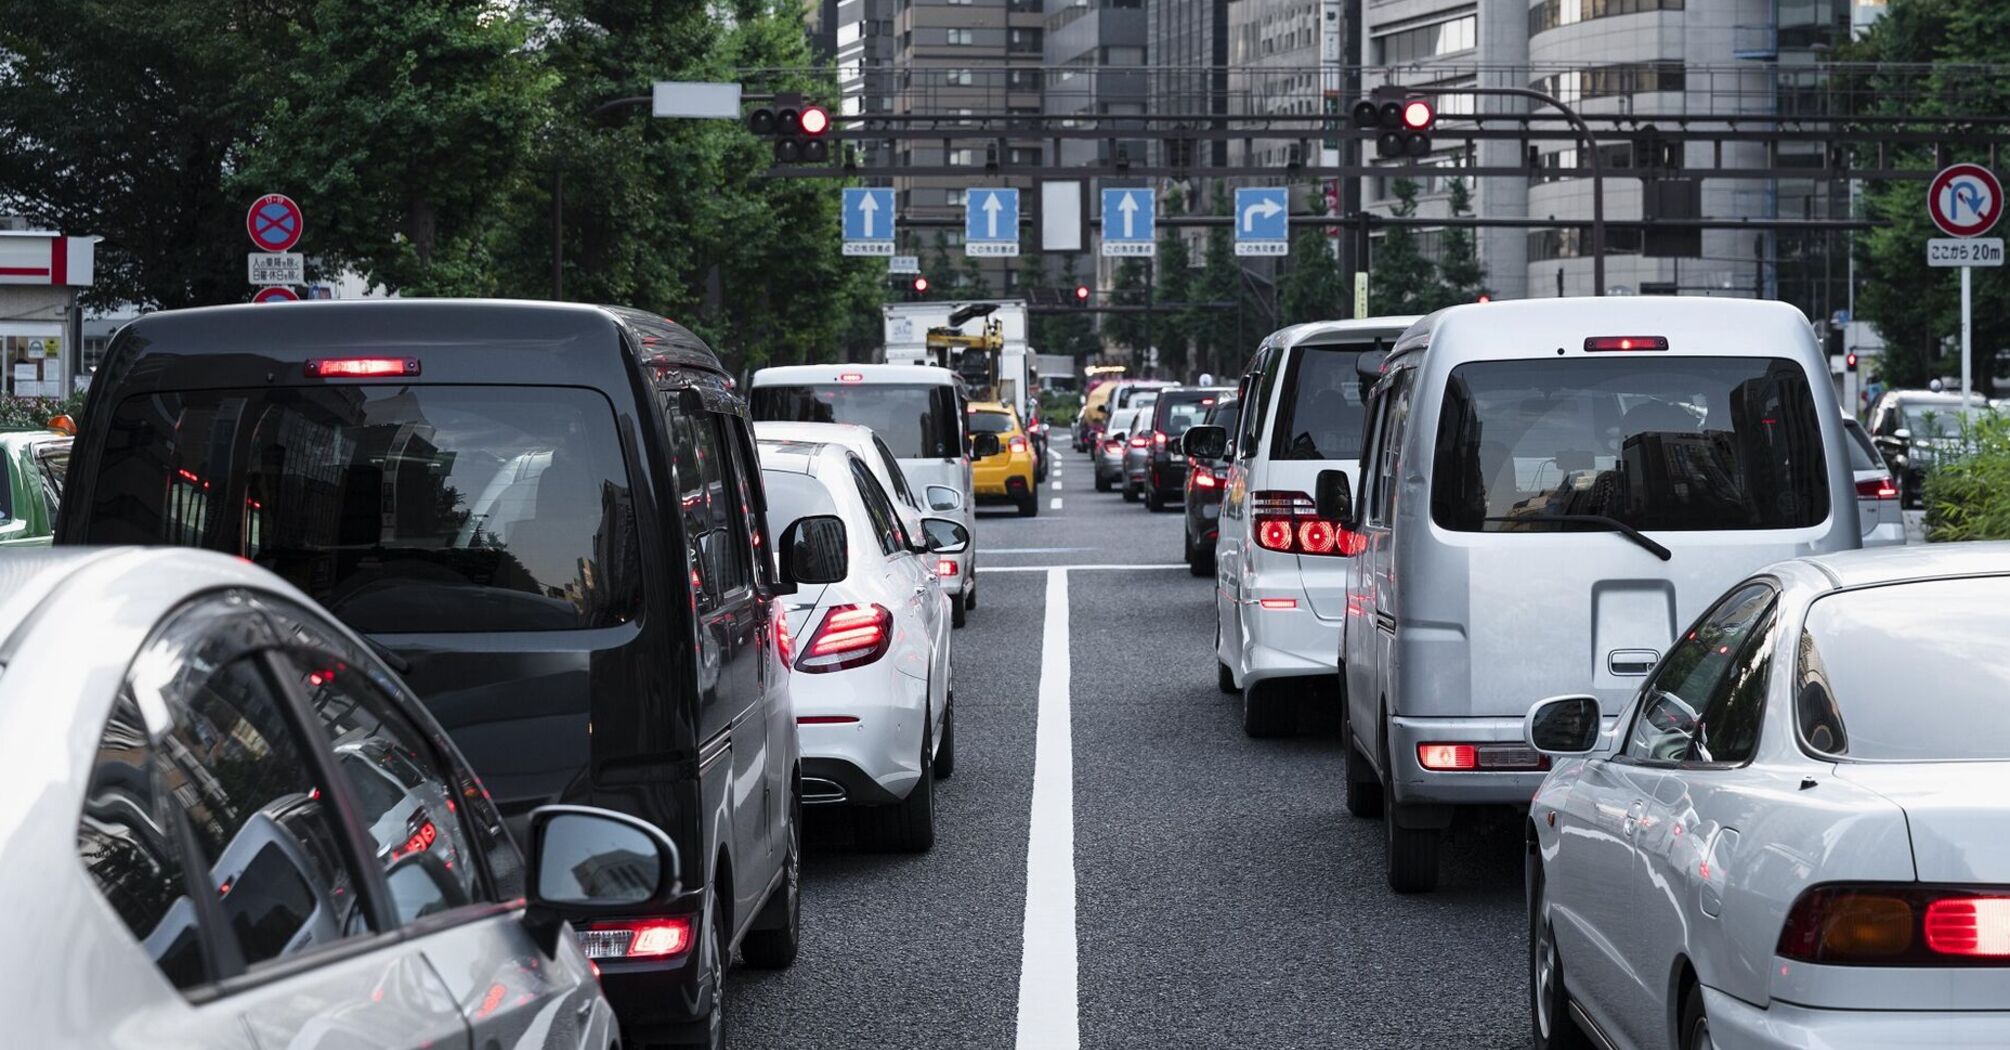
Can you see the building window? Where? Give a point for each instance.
(962, 37)
(1428, 41)
(1610, 159)
(1022, 79)
(1625, 78)
(959, 77)
(1026, 156)
(1023, 41)
(1549, 14)
(1575, 243)
(955, 198)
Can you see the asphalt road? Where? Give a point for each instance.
(1221, 896)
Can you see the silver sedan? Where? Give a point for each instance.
(1785, 841)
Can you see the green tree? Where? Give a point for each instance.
(1130, 286)
(1462, 278)
(1401, 280)
(1071, 332)
(1217, 331)
(1313, 289)
(1174, 283)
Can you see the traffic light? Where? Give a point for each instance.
(798, 128)
(1849, 361)
(920, 286)
(1403, 122)
(1081, 295)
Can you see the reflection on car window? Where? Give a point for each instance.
(885, 522)
(716, 544)
(916, 420)
(1931, 421)
(1320, 408)
(1703, 703)
(54, 459)
(1677, 443)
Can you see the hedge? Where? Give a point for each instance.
(1969, 498)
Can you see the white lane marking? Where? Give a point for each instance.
(1055, 503)
(1051, 568)
(1035, 550)
(1057, 484)
(1049, 1006)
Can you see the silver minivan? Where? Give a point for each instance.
(1549, 489)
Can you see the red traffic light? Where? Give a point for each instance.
(1849, 360)
(1081, 293)
(921, 284)
(814, 120)
(1418, 114)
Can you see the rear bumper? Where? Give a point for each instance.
(1014, 486)
(1886, 534)
(1414, 783)
(1168, 479)
(1285, 643)
(878, 757)
(657, 994)
(1738, 1025)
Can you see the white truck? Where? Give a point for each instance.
(979, 330)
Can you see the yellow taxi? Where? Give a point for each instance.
(1007, 475)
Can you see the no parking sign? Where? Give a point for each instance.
(274, 223)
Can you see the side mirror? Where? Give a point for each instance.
(815, 549)
(1334, 498)
(945, 536)
(1205, 442)
(984, 446)
(586, 861)
(1902, 434)
(942, 497)
(1563, 725)
(1368, 366)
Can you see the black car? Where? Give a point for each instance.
(551, 520)
(1915, 430)
(1165, 465)
(1205, 479)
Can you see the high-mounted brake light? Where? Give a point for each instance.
(1898, 924)
(850, 377)
(637, 939)
(1877, 488)
(850, 636)
(361, 367)
(1599, 344)
(826, 720)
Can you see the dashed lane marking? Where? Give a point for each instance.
(1086, 568)
(1055, 503)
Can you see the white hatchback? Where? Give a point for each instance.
(1785, 841)
(874, 704)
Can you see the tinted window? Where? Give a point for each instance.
(127, 840)
(1677, 443)
(1225, 414)
(1320, 406)
(885, 523)
(54, 459)
(712, 531)
(1862, 454)
(6, 486)
(916, 420)
(1703, 703)
(891, 464)
(983, 422)
(1180, 409)
(1258, 389)
(1388, 468)
(419, 508)
(1910, 672)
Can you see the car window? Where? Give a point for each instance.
(1701, 705)
(1262, 384)
(716, 546)
(985, 421)
(128, 843)
(1179, 410)
(1319, 406)
(1906, 672)
(792, 496)
(1389, 450)
(54, 459)
(1862, 454)
(916, 420)
(885, 522)
(893, 471)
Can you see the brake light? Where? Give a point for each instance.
(850, 377)
(1898, 925)
(785, 643)
(420, 840)
(1278, 603)
(1138, 442)
(361, 367)
(850, 636)
(1203, 479)
(1447, 756)
(1017, 444)
(636, 939)
(1287, 522)
(826, 720)
(1158, 439)
(1599, 344)
(1877, 488)
(1113, 444)
(945, 567)
(1484, 757)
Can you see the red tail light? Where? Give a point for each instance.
(1138, 442)
(1287, 522)
(1898, 925)
(1203, 479)
(1448, 756)
(945, 566)
(850, 636)
(361, 367)
(1278, 603)
(1158, 439)
(1877, 488)
(1017, 444)
(636, 939)
(1113, 444)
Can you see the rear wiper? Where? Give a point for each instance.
(1612, 524)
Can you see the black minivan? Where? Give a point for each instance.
(551, 520)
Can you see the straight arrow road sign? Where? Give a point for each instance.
(1130, 224)
(1263, 220)
(868, 221)
(991, 222)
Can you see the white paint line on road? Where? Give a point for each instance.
(1055, 503)
(1057, 484)
(989, 569)
(1049, 1004)
(1035, 550)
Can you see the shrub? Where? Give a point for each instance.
(1968, 498)
(36, 411)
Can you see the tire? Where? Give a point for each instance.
(958, 613)
(945, 753)
(1268, 711)
(1193, 562)
(1695, 1030)
(777, 935)
(1224, 679)
(709, 1032)
(1103, 484)
(1412, 853)
(1550, 1022)
(970, 592)
(1364, 789)
(1130, 494)
(1030, 506)
(1154, 502)
(908, 826)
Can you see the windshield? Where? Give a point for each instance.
(985, 422)
(1939, 421)
(916, 420)
(1320, 410)
(1864, 653)
(1180, 409)
(1695, 443)
(413, 508)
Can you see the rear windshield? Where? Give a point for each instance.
(1865, 653)
(1862, 454)
(1319, 408)
(401, 509)
(1179, 409)
(990, 423)
(916, 420)
(1675, 443)
(1133, 396)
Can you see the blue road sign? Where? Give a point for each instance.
(1129, 223)
(1262, 220)
(991, 221)
(868, 221)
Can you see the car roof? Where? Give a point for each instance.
(800, 375)
(1313, 332)
(1694, 325)
(988, 406)
(855, 436)
(1936, 397)
(1918, 561)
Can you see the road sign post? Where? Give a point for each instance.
(1262, 220)
(1965, 200)
(991, 222)
(868, 220)
(1130, 223)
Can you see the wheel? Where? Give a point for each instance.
(1154, 502)
(908, 826)
(1548, 1000)
(1193, 563)
(1224, 679)
(1267, 710)
(1040, 472)
(1103, 484)
(1364, 790)
(1695, 1023)
(970, 592)
(945, 753)
(778, 933)
(709, 1032)
(959, 612)
(1030, 506)
(1130, 494)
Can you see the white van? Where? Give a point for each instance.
(1554, 486)
(1281, 576)
(918, 411)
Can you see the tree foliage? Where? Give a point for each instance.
(1217, 332)
(1313, 289)
(1401, 279)
(1462, 278)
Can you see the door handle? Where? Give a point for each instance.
(1633, 813)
